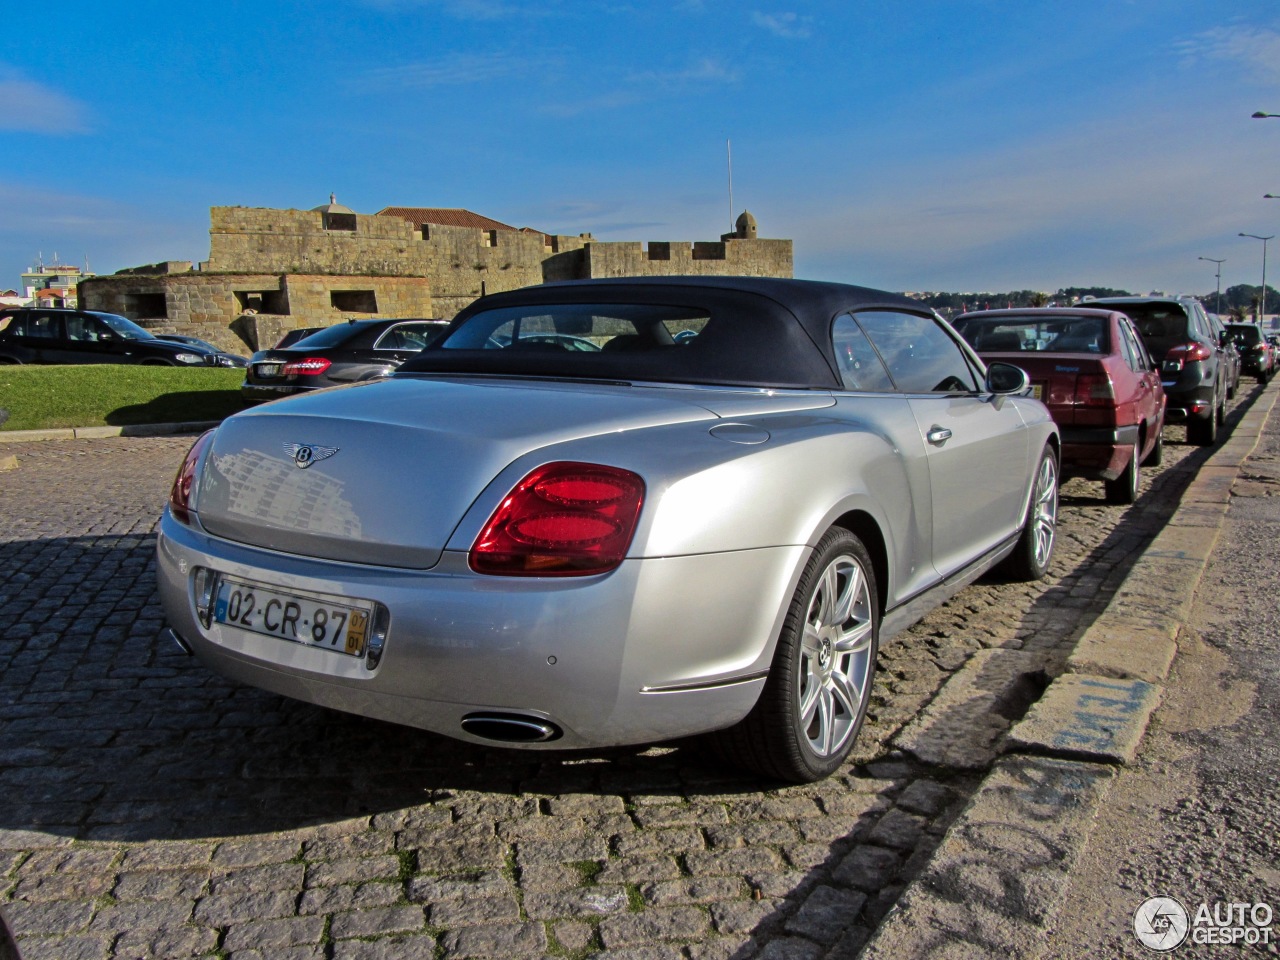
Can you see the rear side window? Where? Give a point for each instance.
(920, 355)
(1134, 355)
(409, 336)
(860, 366)
(39, 326)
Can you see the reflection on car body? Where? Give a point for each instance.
(670, 535)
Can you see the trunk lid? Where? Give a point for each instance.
(382, 473)
(1056, 380)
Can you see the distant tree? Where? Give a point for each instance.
(1071, 294)
(1237, 313)
(1039, 299)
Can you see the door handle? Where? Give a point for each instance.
(938, 435)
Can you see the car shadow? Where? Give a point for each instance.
(112, 733)
(185, 406)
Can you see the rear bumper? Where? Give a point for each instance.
(605, 660)
(1097, 453)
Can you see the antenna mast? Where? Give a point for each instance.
(728, 149)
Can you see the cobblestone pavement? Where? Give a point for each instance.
(153, 809)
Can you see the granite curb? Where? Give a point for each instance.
(95, 433)
(994, 886)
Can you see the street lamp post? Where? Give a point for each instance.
(1262, 302)
(1217, 303)
(1260, 115)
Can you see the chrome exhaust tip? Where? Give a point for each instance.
(510, 728)
(168, 633)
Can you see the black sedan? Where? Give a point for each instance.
(344, 353)
(225, 359)
(90, 336)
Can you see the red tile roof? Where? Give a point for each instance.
(445, 217)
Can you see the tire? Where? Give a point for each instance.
(1204, 433)
(815, 698)
(1156, 456)
(1124, 488)
(1031, 557)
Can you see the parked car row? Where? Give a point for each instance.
(606, 512)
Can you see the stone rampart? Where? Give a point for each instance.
(317, 267)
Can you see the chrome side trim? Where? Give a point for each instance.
(907, 613)
(705, 684)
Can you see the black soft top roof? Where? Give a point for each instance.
(763, 332)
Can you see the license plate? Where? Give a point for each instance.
(1037, 391)
(268, 369)
(338, 625)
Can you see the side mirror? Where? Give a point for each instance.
(1006, 378)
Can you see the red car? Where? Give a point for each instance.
(1090, 369)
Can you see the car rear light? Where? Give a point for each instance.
(310, 367)
(1185, 353)
(180, 495)
(562, 520)
(1094, 390)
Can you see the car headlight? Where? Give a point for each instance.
(189, 358)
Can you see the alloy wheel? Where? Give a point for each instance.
(835, 657)
(1045, 511)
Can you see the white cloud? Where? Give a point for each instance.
(476, 9)
(456, 69)
(1105, 205)
(30, 107)
(647, 86)
(1256, 49)
(788, 25)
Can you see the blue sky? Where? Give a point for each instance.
(910, 146)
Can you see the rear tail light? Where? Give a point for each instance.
(1094, 390)
(562, 520)
(310, 367)
(1185, 353)
(180, 495)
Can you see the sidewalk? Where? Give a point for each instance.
(995, 887)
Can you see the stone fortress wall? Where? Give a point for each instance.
(272, 270)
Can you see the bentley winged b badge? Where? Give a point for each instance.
(305, 454)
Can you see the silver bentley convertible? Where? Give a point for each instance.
(707, 525)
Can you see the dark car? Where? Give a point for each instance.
(1196, 367)
(1090, 369)
(1235, 361)
(34, 335)
(1257, 353)
(344, 353)
(225, 359)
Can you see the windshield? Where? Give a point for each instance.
(1035, 334)
(123, 327)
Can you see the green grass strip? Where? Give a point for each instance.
(116, 395)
